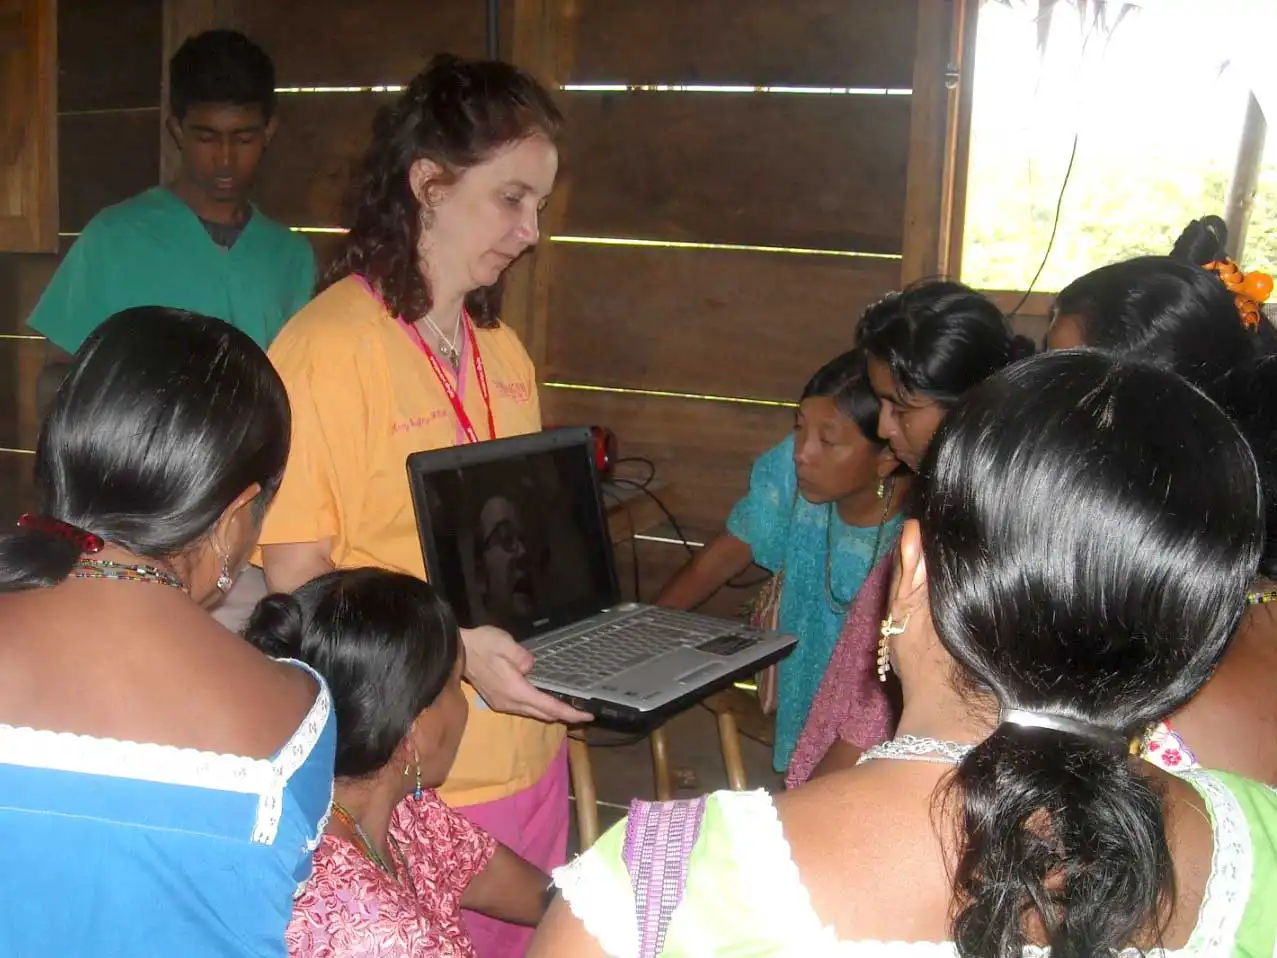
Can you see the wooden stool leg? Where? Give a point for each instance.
(587, 803)
(729, 737)
(661, 765)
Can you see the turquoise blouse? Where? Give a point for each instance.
(791, 535)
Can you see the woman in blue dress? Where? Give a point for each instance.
(163, 782)
(823, 505)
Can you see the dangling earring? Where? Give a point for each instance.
(886, 631)
(418, 791)
(224, 581)
(882, 489)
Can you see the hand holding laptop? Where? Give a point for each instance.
(496, 666)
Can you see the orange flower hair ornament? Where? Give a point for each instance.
(1249, 289)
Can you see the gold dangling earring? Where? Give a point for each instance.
(882, 489)
(886, 630)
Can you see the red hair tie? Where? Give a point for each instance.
(87, 541)
(1249, 289)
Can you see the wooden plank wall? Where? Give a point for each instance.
(304, 179)
(785, 170)
(824, 172)
(108, 133)
(28, 129)
(609, 324)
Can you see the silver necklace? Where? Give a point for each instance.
(448, 347)
(914, 748)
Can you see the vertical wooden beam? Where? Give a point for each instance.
(183, 19)
(29, 127)
(544, 45)
(939, 137)
(493, 29)
(958, 149)
(1241, 191)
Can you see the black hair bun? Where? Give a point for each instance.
(276, 626)
(1203, 241)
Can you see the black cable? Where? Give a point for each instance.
(669, 516)
(1068, 173)
(642, 484)
(633, 545)
(1055, 226)
(735, 583)
(642, 461)
(634, 560)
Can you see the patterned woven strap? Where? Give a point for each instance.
(658, 840)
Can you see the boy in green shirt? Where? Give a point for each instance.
(198, 243)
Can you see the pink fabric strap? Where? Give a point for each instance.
(659, 838)
(851, 704)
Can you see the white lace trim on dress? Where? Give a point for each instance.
(769, 874)
(170, 765)
(763, 850)
(589, 886)
(270, 802)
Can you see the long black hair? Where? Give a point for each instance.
(845, 380)
(1090, 526)
(939, 339)
(385, 643)
(1166, 309)
(164, 418)
(1249, 393)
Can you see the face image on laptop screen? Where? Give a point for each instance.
(519, 542)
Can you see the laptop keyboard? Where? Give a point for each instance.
(607, 650)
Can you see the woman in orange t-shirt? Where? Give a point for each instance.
(403, 351)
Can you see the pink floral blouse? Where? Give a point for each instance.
(352, 909)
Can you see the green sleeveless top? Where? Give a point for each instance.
(744, 899)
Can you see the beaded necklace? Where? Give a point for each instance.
(836, 604)
(365, 845)
(1261, 598)
(124, 572)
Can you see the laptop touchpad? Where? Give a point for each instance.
(685, 666)
(728, 644)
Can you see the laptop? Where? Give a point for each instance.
(514, 533)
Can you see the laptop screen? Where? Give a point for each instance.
(516, 540)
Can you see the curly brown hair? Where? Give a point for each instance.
(456, 113)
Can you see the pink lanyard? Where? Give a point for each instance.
(463, 418)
